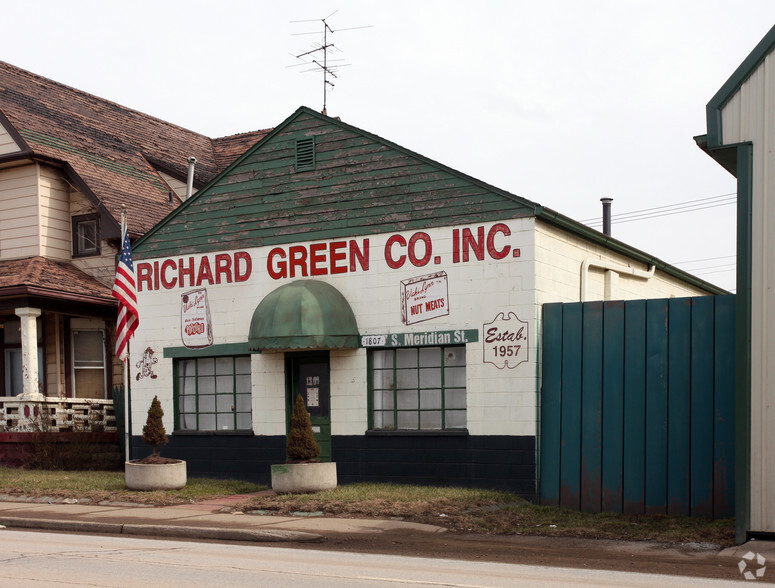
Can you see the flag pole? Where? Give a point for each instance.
(126, 406)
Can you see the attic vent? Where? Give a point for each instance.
(305, 154)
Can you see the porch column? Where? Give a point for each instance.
(30, 389)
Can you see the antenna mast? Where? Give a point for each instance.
(309, 57)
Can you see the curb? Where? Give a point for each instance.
(213, 533)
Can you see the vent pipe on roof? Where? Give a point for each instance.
(190, 184)
(607, 215)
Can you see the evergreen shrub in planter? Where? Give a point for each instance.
(155, 472)
(302, 473)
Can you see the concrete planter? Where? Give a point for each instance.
(303, 477)
(155, 476)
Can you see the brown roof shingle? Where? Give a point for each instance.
(110, 147)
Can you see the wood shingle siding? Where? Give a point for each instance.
(361, 184)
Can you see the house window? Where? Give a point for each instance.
(418, 388)
(86, 235)
(213, 394)
(89, 374)
(12, 357)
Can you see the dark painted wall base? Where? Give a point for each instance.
(492, 461)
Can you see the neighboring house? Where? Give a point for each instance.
(69, 163)
(741, 137)
(401, 298)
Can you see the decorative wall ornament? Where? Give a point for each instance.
(505, 341)
(145, 365)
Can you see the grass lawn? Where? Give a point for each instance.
(459, 509)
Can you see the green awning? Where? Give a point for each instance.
(306, 314)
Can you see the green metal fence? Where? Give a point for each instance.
(637, 406)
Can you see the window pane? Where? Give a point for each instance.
(207, 422)
(188, 421)
(455, 377)
(408, 420)
(243, 384)
(87, 236)
(383, 379)
(406, 358)
(456, 419)
(187, 404)
(430, 377)
(224, 403)
(383, 399)
(207, 403)
(382, 358)
(406, 378)
(243, 402)
(407, 399)
(188, 386)
(187, 367)
(430, 356)
(225, 422)
(224, 365)
(88, 349)
(242, 365)
(430, 420)
(455, 398)
(244, 422)
(430, 399)
(224, 384)
(455, 356)
(206, 385)
(206, 366)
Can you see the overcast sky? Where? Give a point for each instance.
(560, 102)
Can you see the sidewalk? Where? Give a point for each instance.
(213, 520)
(201, 520)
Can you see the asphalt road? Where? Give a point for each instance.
(35, 559)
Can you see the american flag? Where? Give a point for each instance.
(125, 290)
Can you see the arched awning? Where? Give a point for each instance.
(306, 314)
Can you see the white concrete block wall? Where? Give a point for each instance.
(500, 401)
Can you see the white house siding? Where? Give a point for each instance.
(559, 259)
(19, 212)
(499, 401)
(178, 187)
(55, 237)
(748, 117)
(7, 144)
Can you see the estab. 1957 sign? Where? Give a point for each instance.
(505, 341)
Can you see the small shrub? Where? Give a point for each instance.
(153, 430)
(301, 440)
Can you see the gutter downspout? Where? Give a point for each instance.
(190, 183)
(612, 267)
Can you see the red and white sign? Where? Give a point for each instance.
(424, 298)
(196, 328)
(505, 341)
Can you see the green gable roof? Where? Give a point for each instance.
(360, 184)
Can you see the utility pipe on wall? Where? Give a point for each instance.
(612, 267)
(190, 184)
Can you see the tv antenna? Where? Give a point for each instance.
(317, 57)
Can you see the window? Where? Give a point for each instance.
(86, 235)
(12, 352)
(418, 388)
(89, 375)
(213, 394)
